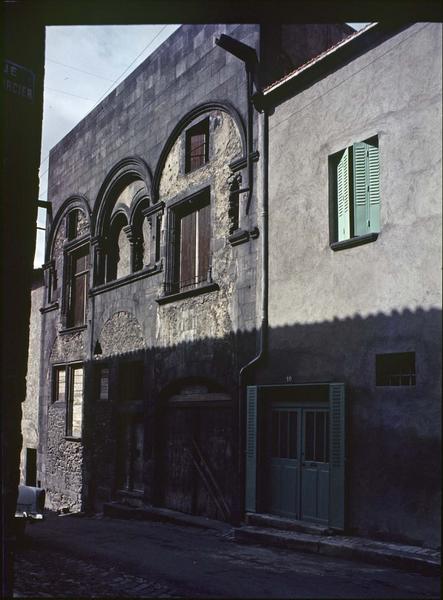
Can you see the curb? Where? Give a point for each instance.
(403, 557)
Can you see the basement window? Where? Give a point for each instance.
(395, 369)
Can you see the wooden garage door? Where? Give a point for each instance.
(198, 457)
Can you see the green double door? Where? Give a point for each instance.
(298, 458)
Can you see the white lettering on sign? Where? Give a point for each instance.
(18, 80)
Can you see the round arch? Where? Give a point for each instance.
(77, 201)
(183, 123)
(122, 173)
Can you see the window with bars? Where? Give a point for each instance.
(395, 369)
(191, 244)
(78, 283)
(197, 146)
(355, 190)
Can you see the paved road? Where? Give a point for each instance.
(100, 557)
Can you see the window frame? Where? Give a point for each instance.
(68, 401)
(72, 252)
(199, 128)
(189, 205)
(354, 239)
(404, 362)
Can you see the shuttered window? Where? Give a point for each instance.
(356, 196)
(197, 146)
(194, 247)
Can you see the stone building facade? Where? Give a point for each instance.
(240, 312)
(151, 279)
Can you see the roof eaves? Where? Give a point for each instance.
(302, 68)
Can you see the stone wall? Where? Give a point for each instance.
(31, 405)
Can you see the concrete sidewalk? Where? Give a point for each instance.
(412, 558)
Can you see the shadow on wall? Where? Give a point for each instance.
(393, 439)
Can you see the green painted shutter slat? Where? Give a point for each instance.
(361, 182)
(343, 213)
(337, 440)
(251, 449)
(374, 188)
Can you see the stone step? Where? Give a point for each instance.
(276, 522)
(119, 510)
(395, 555)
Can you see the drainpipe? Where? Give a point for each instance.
(249, 57)
(264, 325)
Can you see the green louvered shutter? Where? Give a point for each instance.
(251, 449)
(374, 188)
(366, 188)
(343, 220)
(337, 440)
(361, 183)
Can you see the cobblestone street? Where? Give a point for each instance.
(59, 576)
(87, 557)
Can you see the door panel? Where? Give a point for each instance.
(315, 466)
(299, 462)
(284, 461)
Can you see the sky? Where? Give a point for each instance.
(83, 64)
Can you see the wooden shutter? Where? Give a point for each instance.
(361, 194)
(198, 150)
(366, 188)
(374, 188)
(187, 250)
(251, 449)
(343, 213)
(337, 441)
(204, 238)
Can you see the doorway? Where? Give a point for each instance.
(299, 462)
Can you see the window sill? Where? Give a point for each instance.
(355, 241)
(73, 329)
(202, 289)
(70, 438)
(111, 285)
(49, 307)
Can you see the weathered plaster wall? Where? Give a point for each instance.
(332, 312)
(31, 404)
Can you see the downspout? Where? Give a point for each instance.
(263, 333)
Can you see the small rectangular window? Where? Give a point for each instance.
(75, 403)
(103, 392)
(72, 225)
(31, 466)
(395, 369)
(59, 384)
(197, 146)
